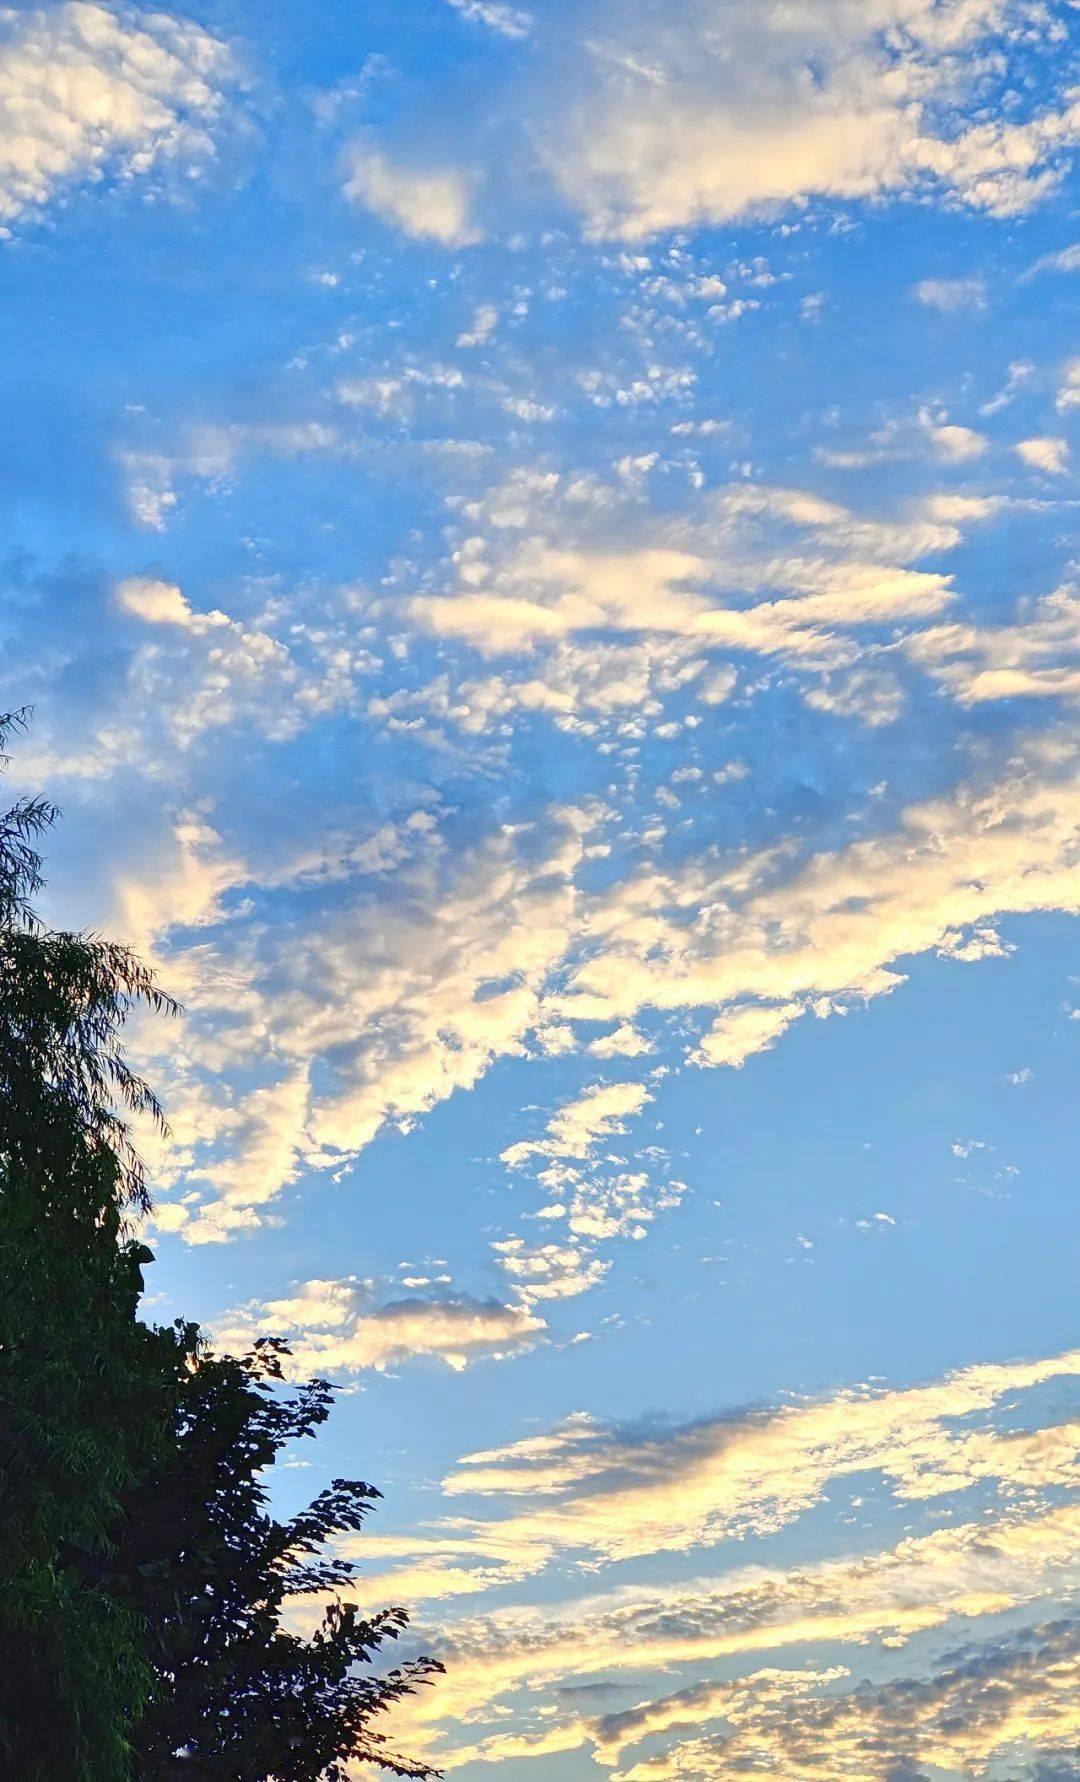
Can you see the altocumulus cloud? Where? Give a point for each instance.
(394, 982)
(711, 115)
(88, 92)
(998, 1700)
(892, 1595)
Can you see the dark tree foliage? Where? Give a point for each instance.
(78, 1398)
(211, 1570)
(142, 1577)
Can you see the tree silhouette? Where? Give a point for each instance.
(142, 1576)
(78, 1397)
(211, 1569)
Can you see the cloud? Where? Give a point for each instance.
(1069, 394)
(579, 687)
(180, 674)
(621, 1496)
(826, 570)
(508, 21)
(958, 444)
(211, 455)
(549, 1271)
(872, 696)
(623, 1042)
(1065, 260)
(484, 322)
(598, 1197)
(371, 1013)
(432, 203)
(87, 92)
(891, 1595)
(595, 1496)
(1004, 1694)
(834, 928)
(384, 1005)
(329, 1330)
(160, 603)
(704, 1702)
(1003, 1698)
(449, 959)
(1036, 657)
(952, 295)
(744, 1032)
(597, 636)
(581, 1124)
(716, 117)
(1049, 455)
(265, 1135)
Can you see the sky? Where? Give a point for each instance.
(540, 541)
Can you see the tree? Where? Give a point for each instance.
(142, 1577)
(207, 1565)
(79, 1396)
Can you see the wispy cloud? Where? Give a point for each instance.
(952, 295)
(508, 21)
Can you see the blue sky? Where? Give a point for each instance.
(541, 544)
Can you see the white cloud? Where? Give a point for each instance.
(1013, 1693)
(623, 1042)
(615, 1497)
(180, 674)
(833, 928)
(265, 1134)
(820, 570)
(952, 295)
(1047, 454)
(87, 91)
(1008, 1698)
(212, 455)
(449, 961)
(599, 1198)
(1037, 656)
(1065, 260)
(889, 1596)
(484, 322)
(412, 988)
(1069, 393)
(958, 444)
(329, 1328)
(508, 21)
(715, 115)
(598, 1114)
(431, 203)
(549, 1271)
(151, 498)
(160, 603)
(873, 696)
(740, 1034)
(198, 671)
(595, 1497)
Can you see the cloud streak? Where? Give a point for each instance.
(331, 1330)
